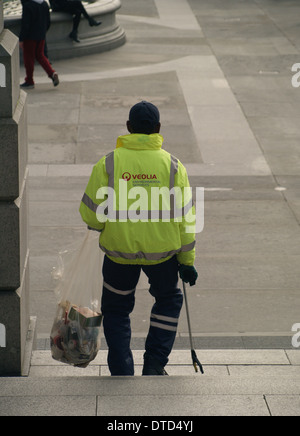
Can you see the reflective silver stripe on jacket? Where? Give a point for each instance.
(173, 213)
(173, 171)
(109, 166)
(89, 203)
(142, 215)
(110, 169)
(148, 256)
(117, 291)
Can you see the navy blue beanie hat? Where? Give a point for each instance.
(144, 117)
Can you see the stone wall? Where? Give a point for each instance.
(14, 254)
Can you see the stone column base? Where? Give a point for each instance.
(14, 316)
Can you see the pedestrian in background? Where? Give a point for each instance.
(34, 26)
(75, 8)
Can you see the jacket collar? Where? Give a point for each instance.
(140, 142)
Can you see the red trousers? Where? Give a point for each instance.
(34, 50)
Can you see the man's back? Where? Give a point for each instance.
(141, 224)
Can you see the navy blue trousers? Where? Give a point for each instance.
(118, 298)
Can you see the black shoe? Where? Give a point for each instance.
(74, 36)
(93, 22)
(26, 85)
(153, 367)
(55, 79)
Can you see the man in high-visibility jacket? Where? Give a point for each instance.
(139, 198)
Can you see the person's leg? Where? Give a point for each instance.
(74, 34)
(29, 48)
(119, 283)
(41, 58)
(76, 8)
(46, 51)
(163, 279)
(81, 8)
(72, 9)
(76, 20)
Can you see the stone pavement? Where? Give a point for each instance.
(220, 73)
(236, 383)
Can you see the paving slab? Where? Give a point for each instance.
(183, 357)
(294, 356)
(190, 405)
(264, 370)
(288, 405)
(149, 386)
(48, 406)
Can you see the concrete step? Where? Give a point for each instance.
(151, 396)
(234, 362)
(236, 382)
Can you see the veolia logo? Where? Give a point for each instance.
(126, 176)
(2, 336)
(2, 76)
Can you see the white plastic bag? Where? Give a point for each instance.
(75, 334)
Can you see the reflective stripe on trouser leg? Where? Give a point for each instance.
(117, 329)
(117, 303)
(164, 322)
(161, 337)
(166, 310)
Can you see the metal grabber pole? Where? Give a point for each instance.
(193, 352)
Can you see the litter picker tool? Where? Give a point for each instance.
(193, 352)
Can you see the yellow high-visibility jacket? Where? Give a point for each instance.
(128, 200)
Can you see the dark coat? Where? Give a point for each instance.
(35, 21)
(57, 5)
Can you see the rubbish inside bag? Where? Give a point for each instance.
(86, 316)
(75, 335)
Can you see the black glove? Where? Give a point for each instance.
(188, 274)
